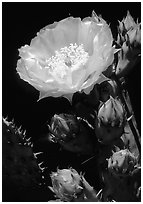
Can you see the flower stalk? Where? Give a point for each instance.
(130, 114)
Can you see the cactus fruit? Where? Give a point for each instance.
(19, 166)
(66, 184)
(109, 123)
(122, 179)
(69, 186)
(122, 163)
(122, 189)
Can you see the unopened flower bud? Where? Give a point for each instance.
(63, 127)
(67, 184)
(109, 124)
(129, 38)
(122, 162)
(129, 30)
(134, 35)
(111, 112)
(128, 22)
(72, 133)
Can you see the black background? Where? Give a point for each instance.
(20, 23)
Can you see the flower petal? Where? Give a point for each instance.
(78, 77)
(70, 28)
(87, 32)
(62, 35)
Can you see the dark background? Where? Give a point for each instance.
(20, 23)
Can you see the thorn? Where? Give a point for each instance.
(42, 169)
(35, 156)
(40, 164)
(32, 145)
(6, 122)
(37, 153)
(51, 188)
(19, 132)
(99, 193)
(20, 129)
(129, 118)
(88, 160)
(93, 116)
(5, 119)
(28, 139)
(83, 119)
(24, 133)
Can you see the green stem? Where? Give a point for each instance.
(131, 124)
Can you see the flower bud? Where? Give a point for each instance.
(122, 162)
(109, 124)
(129, 38)
(134, 36)
(127, 23)
(63, 127)
(129, 30)
(72, 133)
(67, 184)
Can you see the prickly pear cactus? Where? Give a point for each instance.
(123, 178)
(19, 166)
(122, 189)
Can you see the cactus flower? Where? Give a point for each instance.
(67, 184)
(67, 56)
(109, 123)
(122, 162)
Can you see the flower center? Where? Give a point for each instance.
(67, 57)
